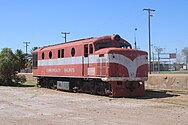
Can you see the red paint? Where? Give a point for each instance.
(102, 70)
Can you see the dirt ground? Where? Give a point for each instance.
(168, 81)
(39, 106)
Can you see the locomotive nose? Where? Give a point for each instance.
(128, 63)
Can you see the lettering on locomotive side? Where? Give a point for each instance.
(53, 70)
(69, 69)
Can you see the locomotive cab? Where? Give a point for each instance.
(114, 41)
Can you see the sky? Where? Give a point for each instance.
(41, 22)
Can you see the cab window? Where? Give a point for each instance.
(103, 44)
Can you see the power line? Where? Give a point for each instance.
(65, 37)
(149, 15)
(26, 45)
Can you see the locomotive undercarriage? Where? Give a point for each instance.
(92, 86)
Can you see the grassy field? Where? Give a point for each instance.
(26, 84)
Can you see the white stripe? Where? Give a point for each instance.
(60, 61)
(132, 66)
(108, 58)
(124, 79)
(72, 60)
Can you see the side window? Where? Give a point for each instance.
(72, 51)
(86, 50)
(62, 53)
(35, 60)
(59, 53)
(43, 55)
(90, 49)
(50, 54)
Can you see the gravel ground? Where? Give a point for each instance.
(39, 106)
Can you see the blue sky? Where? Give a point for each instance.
(41, 22)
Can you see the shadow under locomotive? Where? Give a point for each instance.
(151, 94)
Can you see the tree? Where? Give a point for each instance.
(7, 66)
(34, 48)
(9, 63)
(23, 61)
(20, 59)
(185, 53)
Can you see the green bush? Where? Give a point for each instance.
(9, 66)
(20, 78)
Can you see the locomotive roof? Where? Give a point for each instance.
(80, 41)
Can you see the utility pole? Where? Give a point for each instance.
(26, 45)
(65, 37)
(149, 15)
(135, 38)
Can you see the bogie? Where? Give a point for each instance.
(91, 86)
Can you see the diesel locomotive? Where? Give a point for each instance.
(104, 65)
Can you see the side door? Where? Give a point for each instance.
(85, 60)
(88, 61)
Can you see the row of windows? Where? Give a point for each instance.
(61, 52)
